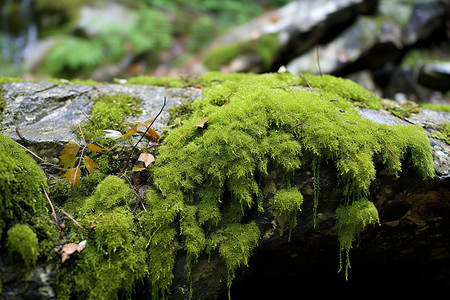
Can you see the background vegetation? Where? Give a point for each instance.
(156, 26)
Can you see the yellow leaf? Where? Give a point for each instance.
(69, 155)
(73, 176)
(131, 131)
(95, 148)
(90, 164)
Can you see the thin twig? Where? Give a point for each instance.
(293, 127)
(392, 153)
(135, 145)
(304, 79)
(73, 220)
(51, 205)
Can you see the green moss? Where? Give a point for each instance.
(235, 243)
(205, 184)
(438, 107)
(4, 79)
(443, 132)
(351, 221)
(221, 56)
(209, 176)
(286, 204)
(108, 113)
(23, 242)
(159, 81)
(115, 256)
(265, 48)
(338, 89)
(21, 180)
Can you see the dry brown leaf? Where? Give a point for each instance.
(151, 134)
(70, 248)
(146, 158)
(141, 127)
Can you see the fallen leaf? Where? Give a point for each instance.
(202, 122)
(95, 148)
(146, 158)
(73, 176)
(112, 134)
(152, 134)
(69, 155)
(90, 164)
(141, 127)
(70, 248)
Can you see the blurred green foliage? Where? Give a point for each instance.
(155, 25)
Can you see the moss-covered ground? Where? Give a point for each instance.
(206, 181)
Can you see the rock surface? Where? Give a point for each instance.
(410, 247)
(44, 115)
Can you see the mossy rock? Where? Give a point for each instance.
(206, 185)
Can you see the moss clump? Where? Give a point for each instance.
(286, 204)
(235, 242)
(351, 221)
(23, 242)
(115, 255)
(108, 113)
(206, 183)
(21, 180)
(265, 48)
(208, 177)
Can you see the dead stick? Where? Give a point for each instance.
(306, 81)
(301, 123)
(51, 205)
(73, 220)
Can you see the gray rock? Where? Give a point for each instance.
(44, 115)
(354, 44)
(435, 76)
(298, 25)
